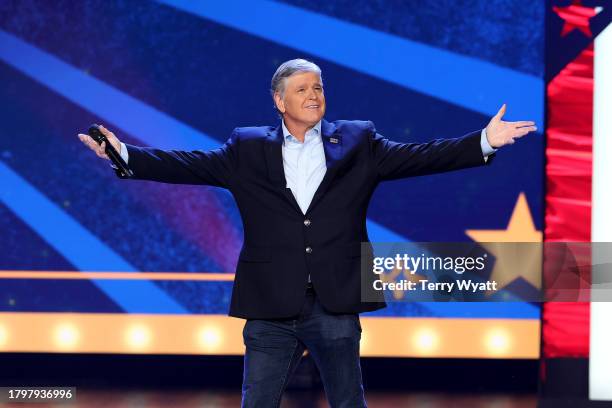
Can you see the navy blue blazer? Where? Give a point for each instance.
(282, 246)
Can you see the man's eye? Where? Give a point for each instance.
(301, 90)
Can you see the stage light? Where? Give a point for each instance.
(497, 341)
(426, 340)
(138, 337)
(3, 336)
(210, 338)
(363, 343)
(66, 335)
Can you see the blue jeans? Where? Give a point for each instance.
(274, 349)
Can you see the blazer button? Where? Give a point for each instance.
(308, 250)
(307, 222)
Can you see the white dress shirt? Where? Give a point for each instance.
(304, 164)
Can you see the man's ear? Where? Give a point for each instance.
(280, 105)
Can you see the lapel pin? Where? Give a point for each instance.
(333, 140)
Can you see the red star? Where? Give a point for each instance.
(576, 16)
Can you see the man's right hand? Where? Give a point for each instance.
(99, 149)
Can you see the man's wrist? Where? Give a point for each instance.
(124, 153)
(486, 147)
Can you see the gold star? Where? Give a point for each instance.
(515, 249)
(396, 273)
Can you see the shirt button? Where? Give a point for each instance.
(307, 222)
(308, 250)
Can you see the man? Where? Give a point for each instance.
(303, 189)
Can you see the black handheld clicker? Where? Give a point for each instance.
(98, 136)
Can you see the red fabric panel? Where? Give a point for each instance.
(569, 142)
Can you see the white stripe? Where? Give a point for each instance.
(600, 363)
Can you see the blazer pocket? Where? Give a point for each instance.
(255, 254)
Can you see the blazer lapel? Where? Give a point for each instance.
(333, 147)
(274, 161)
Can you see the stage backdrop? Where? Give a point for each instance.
(91, 263)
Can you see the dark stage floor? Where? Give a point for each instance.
(134, 381)
(292, 399)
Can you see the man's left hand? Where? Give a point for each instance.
(500, 133)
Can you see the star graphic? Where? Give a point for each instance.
(516, 249)
(576, 16)
(395, 275)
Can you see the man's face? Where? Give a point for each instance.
(304, 102)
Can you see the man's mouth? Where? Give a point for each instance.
(312, 107)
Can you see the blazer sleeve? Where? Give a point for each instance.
(395, 160)
(213, 167)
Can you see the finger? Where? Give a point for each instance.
(106, 132)
(101, 153)
(523, 123)
(89, 142)
(502, 111)
(525, 130)
(84, 138)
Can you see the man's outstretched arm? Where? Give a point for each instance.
(214, 167)
(395, 160)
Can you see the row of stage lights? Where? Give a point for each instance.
(140, 338)
(495, 342)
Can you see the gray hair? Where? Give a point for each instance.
(288, 68)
